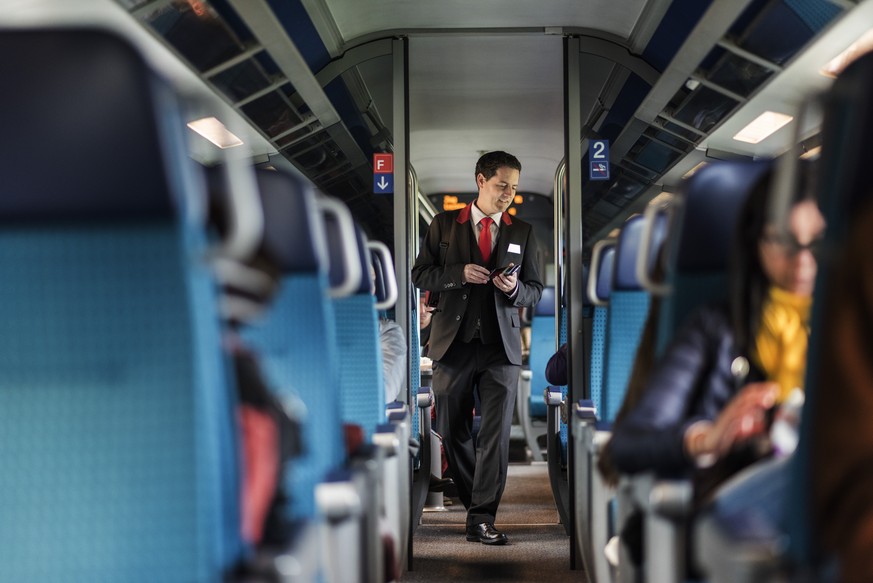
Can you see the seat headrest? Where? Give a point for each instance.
(603, 285)
(628, 248)
(89, 131)
(338, 267)
(711, 204)
(546, 305)
(294, 236)
(381, 291)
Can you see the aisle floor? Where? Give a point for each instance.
(538, 548)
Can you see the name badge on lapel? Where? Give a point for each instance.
(514, 248)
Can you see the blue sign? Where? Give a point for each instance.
(383, 183)
(598, 158)
(598, 171)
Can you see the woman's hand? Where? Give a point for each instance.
(744, 417)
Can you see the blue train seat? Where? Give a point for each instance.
(628, 309)
(114, 402)
(362, 396)
(597, 291)
(599, 288)
(296, 337)
(698, 245)
(530, 405)
(627, 315)
(542, 346)
(844, 195)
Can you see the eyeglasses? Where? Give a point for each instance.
(788, 244)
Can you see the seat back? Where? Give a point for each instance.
(542, 346)
(296, 337)
(700, 239)
(628, 310)
(362, 394)
(599, 288)
(113, 394)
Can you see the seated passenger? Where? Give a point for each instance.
(393, 358)
(706, 401)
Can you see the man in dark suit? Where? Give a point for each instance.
(475, 339)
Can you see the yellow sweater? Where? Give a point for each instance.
(782, 339)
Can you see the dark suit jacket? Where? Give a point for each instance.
(439, 267)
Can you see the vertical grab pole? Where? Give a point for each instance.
(573, 263)
(402, 239)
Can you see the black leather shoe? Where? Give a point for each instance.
(485, 533)
(439, 484)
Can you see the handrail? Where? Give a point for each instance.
(596, 254)
(642, 265)
(558, 206)
(388, 274)
(348, 244)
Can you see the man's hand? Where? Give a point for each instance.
(475, 273)
(506, 283)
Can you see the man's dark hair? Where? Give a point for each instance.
(489, 163)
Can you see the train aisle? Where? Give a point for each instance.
(538, 549)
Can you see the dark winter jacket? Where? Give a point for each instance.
(692, 381)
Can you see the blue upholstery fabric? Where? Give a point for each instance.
(94, 95)
(709, 210)
(625, 276)
(362, 397)
(627, 316)
(362, 392)
(297, 343)
(111, 385)
(542, 346)
(296, 337)
(293, 230)
(546, 305)
(114, 401)
(414, 364)
(598, 343)
(604, 274)
(628, 308)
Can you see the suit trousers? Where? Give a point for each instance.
(479, 471)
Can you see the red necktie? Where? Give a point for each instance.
(485, 238)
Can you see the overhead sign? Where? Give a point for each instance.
(383, 173)
(383, 183)
(598, 159)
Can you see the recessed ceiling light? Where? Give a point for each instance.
(215, 131)
(763, 126)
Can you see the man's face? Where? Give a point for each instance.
(497, 193)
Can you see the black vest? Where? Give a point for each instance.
(480, 319)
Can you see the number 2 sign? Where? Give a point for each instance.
(598, 159)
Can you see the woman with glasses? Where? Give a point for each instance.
(705, 409)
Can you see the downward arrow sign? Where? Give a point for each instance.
(382, 183)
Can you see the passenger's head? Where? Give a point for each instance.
(788, 253)
(497, 176)
(773, 251)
